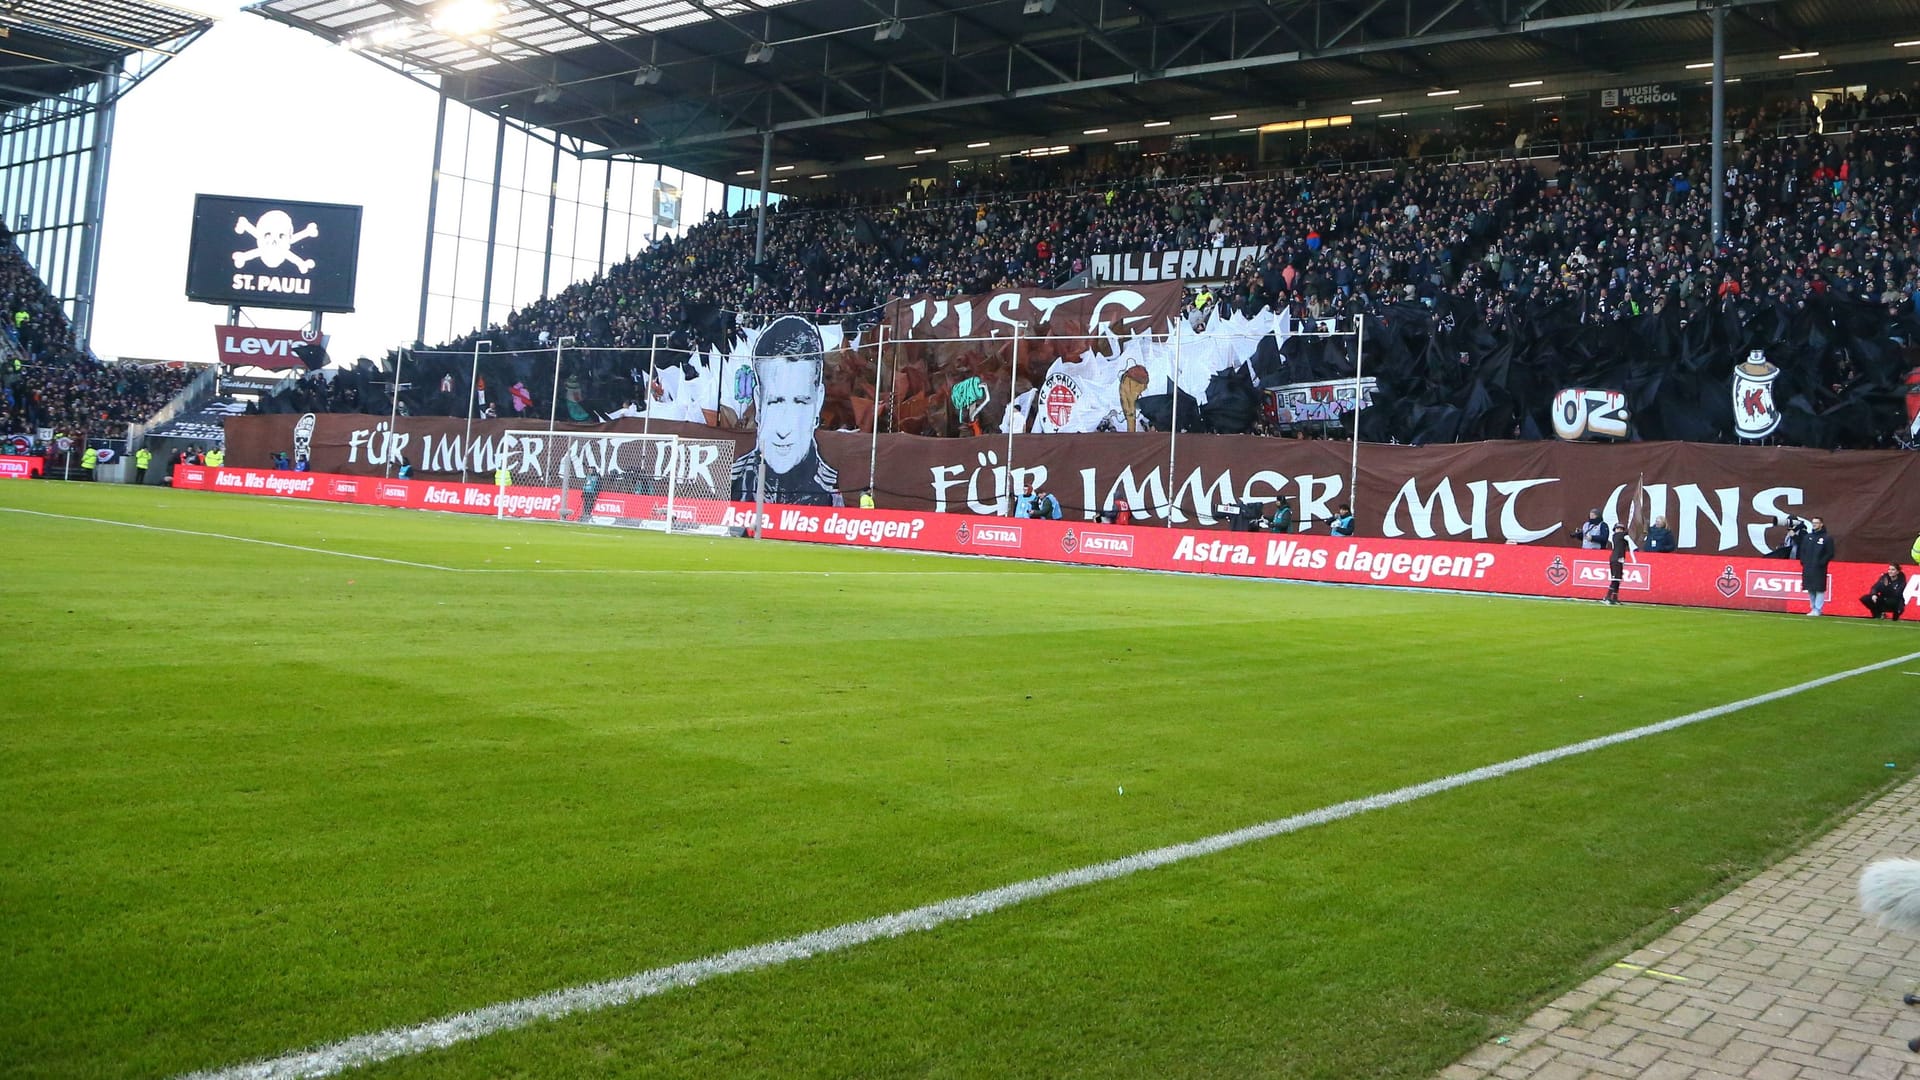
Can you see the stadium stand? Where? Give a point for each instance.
(50, 385)
(200, 424)
(1500, 275)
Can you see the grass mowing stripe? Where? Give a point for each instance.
(376, 1047)
(226, 536)
(472, 570)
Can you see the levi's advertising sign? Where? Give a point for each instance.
(1515, 569)
(273, 253)
(257, 346)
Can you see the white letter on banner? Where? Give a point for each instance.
(1694, 506)
(1510, 528)
(1420, 511)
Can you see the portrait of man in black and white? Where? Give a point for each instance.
(789, 365)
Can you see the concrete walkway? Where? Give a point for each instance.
(1782, 979)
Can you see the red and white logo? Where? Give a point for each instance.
(1774, 584)
(996, 536)
(14, 468)
(1059, 395)
(1597, 575)
(396, 492)
(193, 475)
(1117, 545)
(258, 346)
(339, 486)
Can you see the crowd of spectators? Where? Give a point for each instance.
(1593, 235)
(48, 383)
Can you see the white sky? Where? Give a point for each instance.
(256, 108)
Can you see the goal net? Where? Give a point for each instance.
(639, 481)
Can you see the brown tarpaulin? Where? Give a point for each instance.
(925, 360)
(1717, 498)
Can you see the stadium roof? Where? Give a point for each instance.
(50, 47)
(693, 83)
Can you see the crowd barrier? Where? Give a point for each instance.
(1737, 582)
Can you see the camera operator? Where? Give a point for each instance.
(1593, 533)
(1888, 595)
(1045, 505)
(1816, 551)
(1282, 519)
(1342, 523)
(1790, 544)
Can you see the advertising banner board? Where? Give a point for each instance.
(1741, 583)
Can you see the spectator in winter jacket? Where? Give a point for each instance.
(1659, 537)
(1593, 532)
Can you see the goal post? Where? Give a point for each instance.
(666, 482)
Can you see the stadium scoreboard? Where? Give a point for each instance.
(274, 253)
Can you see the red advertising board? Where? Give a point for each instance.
(262, 347)
(15, 467)
(1689, 580)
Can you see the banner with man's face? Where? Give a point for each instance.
(789, 365)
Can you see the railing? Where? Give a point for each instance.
(188, 398)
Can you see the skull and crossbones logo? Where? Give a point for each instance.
(274, 236)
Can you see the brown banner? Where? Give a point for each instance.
(926, 360)
(1717, 499)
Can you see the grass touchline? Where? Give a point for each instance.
(376, 1047)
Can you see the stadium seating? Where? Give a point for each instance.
(1499, 281)
(50, 384)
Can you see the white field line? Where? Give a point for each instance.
(236, 539)
(756, 573)
(480, 570)
(379, 1046)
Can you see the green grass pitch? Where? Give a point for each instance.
(254, 798)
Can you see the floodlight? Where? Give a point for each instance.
(465, 18)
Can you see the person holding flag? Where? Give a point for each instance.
(1618, 545)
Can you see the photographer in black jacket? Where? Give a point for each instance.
(1592, 532)
(1888, 595)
